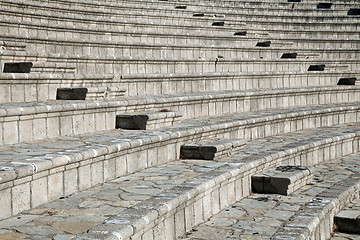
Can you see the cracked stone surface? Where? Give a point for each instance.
(254, 217)
(259, 216)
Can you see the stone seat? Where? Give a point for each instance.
(27, 87)
(310, 9)
(25, 122)
(145, 84)
(74, 44)
(170, 199)
(307, 213)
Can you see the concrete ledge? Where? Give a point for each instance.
(44, 120)
(281, 180)
(212, 149)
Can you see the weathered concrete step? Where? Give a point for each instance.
(27, 87)
(169, 200)
(138, 65)
(281, 180)
(348, 219)
(212, 149)
(148, 120)
(39, 67)
(89, 93)
(46, 170)
(305, 214)
(24, 122)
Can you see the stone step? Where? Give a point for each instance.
(28, 86)
(282, 180)
(156, 6)
(48, 169)
(169, 200)
(148, 120)
(90, 93)
(24, 122)
(348, 219)
(103, 44)
(305, 214)
(212, 149)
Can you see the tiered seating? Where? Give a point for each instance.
(104, 103)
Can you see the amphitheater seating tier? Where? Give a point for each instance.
(148, 119)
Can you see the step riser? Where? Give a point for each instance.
(106, 163)
(45, 122)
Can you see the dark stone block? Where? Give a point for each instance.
(320, 67)
(324, 5)
(270, 185)
(354, 11)
(347, 81)
(19, 67)
(197, 152)
(263, 44)
(71, 93)
(180, 7)
(198, 15)
(243, 33)
(348, 222)
(289, 55)
(132, 122)
(294, 0)
(220, 24)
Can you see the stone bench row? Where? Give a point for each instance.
(143, 50)
(311, 9)
(38, 121)
(67, 165)
(129, 65)
(72, 42)
(309, 210)
(174, 209)
(55, 14)
(227, 26)
(41, 87)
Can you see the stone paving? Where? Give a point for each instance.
(260, 216)
(79, 213)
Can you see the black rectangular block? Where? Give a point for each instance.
(319, 67)
(71, 93)
(18, 67)
(263, 44)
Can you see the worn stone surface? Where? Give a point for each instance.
(260, 216)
